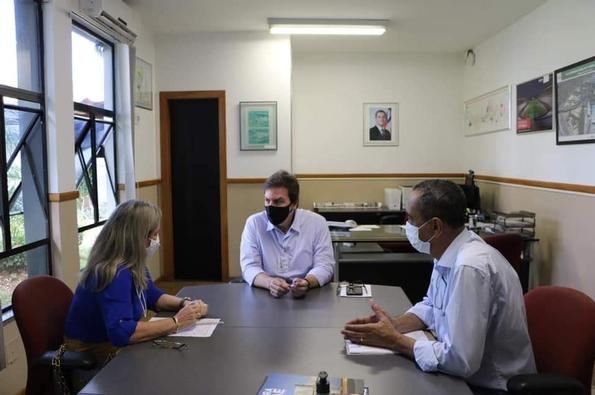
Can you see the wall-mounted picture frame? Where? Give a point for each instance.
(534, 105)
(143, 84)
(575, 103)
(488, 113)
(381, 124)
(258, 126)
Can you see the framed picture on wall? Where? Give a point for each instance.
(258, 126)
(143, 85)
(575, 103)
(381, 124)
(534, 105)
(488, 113)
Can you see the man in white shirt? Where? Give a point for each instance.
(286, 249)
(474, 305)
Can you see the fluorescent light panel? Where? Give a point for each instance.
(358, 27)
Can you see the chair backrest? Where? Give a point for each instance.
(562, 329)
(40, 305)
(510, 245)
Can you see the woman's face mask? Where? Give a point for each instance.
(412, 232)
(153, 246)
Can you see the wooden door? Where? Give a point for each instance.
(194, 185)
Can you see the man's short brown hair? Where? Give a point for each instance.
(286, 180)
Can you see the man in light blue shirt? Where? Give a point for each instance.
(285, 249)
(474, 306)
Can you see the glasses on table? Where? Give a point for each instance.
(174, 345)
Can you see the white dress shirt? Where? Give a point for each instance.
(305, 249)
(476, 309)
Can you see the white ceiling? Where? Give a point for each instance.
(416, 25)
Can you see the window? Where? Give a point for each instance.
(94, 133)
(24, 218)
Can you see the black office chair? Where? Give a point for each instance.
(40, 305)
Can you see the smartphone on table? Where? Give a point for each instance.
(355, 288)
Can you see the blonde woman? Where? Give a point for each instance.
(116, 289)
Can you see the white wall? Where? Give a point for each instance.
(557, 34)
(329, 90)
(249, 67)
(58, 84)
(146, 136)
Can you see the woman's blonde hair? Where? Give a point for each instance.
(122, 243)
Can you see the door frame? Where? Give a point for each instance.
(166, 195)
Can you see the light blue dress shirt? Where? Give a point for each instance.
(476, 309)
(305, 249)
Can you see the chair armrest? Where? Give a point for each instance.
(544, 383)
(70, 360)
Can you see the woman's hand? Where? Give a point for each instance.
(191, 312)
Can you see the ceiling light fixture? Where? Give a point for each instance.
(357, 27)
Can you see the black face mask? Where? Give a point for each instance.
(277, 214)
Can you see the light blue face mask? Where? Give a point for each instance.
(412, 232)
(153, 247)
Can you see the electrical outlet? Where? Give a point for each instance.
(12, 351)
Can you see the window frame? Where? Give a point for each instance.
(89, 113)
(39, 175)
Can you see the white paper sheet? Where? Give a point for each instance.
(360, 349)
(203, 327)
(364, 228)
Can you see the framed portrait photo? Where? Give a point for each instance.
(575, 103)
(258, 126)
(381, 124)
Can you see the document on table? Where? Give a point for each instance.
(361, 349)
(203, 327)
(364, 228)
(366, 291)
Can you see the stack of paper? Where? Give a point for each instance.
(364, 228)
(361, 349)
(203, 327)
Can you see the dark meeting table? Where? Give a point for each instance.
(262, 335)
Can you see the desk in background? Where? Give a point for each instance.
(395, 234)
(362, 215)
(262, 335)
(384, 233)
(412, 271)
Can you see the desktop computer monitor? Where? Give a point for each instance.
(472, 196)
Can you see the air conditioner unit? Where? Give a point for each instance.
(112, 16)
